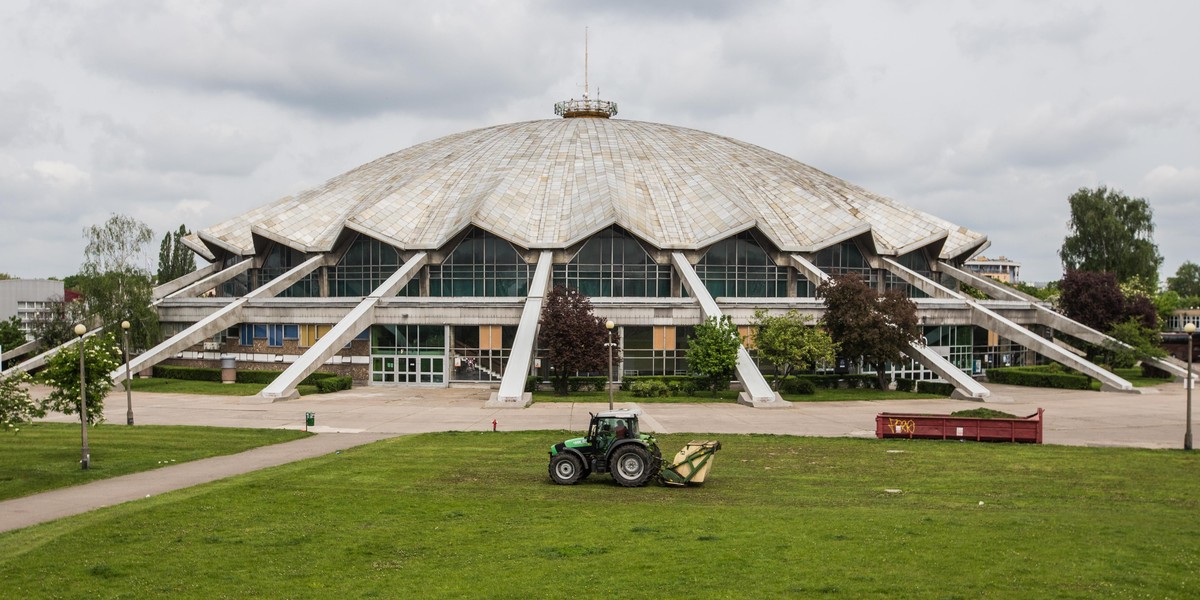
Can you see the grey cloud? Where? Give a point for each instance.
(328, 60)
(27, 114)
(657, 9)
(175, 145)
(1068, 27)
(1050, 136)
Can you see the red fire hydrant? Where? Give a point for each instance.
(493, 424)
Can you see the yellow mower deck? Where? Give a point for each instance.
(692, 464)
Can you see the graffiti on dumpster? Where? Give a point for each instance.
(902, 425)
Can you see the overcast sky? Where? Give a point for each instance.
(987, 114)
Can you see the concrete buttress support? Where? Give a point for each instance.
(359, 318)
(512, 392)
(756, 391)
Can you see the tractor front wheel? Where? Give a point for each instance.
(566, 469)
(631, 466)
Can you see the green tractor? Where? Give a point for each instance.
(614, 444)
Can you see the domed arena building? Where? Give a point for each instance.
(428, 267)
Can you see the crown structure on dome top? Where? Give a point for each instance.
(586, 107)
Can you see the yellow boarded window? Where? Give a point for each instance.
(664, 337)
(747, 332)
(491, 337)
(309, 334)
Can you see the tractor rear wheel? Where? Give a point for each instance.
(631, 466)
(566, 469)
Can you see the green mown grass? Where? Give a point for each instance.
(457, 515)
(45, 456)
(821, 395)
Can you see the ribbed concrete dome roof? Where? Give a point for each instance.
(548, 184)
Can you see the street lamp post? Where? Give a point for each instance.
(85, 453)
(609, 326)
(128, 382)
(1190, 330)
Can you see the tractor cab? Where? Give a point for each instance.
(611, 426)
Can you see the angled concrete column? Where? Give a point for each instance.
(359, 318)
(756, 391)
(211, 281)
(170, 287)
(1049, 318)
(809, 270)
(41, 359)
(915, 279)
(223, 318)
(23, 349)
(989, 287)
(512, 392)
(985, 317)
(965, 386)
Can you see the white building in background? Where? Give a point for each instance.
(1000, 269)
(27, 299)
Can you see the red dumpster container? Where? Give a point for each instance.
(944, 427)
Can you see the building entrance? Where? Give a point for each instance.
(430, 370)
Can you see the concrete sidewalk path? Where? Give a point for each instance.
(64, 502)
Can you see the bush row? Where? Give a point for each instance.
(697, 383)
(1038, 377)
(325, 382)
(940, 388)
(575, 384)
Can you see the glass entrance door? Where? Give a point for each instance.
(408, 369)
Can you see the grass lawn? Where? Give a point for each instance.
(455, 515)
(1134, 376)
(208, 388)
(44, 456)
(822, 395)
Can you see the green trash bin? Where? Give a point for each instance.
(310, 419)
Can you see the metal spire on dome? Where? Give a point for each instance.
(587, 107)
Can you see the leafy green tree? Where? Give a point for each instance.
(712, 352)
(1186, 281)
(114, 281)
(4, 276)
(11, 335)
(16, 404)
(572, 337)
(877, 327)
(1143, 343)
(789, 342)
(1167, 303)
(1111, 232)
(174, 258)
(100, 357)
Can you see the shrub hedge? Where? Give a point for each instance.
(940, 388)
(262, 377)
(650, 388)
(797, 385)
(1048, 377)
(680, 382)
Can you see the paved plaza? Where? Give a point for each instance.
(1154, 418)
